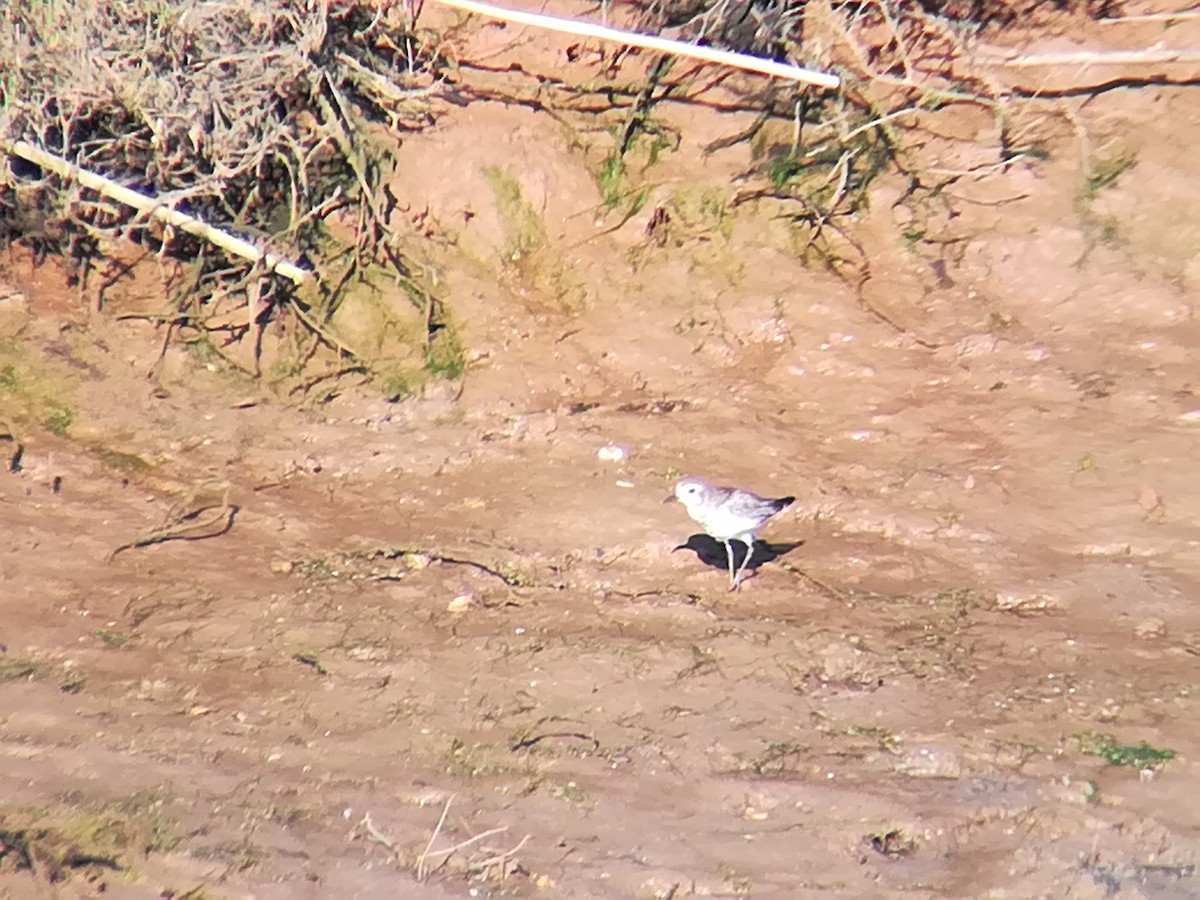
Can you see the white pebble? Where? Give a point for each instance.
(461, 603)
(612, 453)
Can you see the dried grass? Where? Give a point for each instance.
(259, 116)
(253, 117)
(900, 63)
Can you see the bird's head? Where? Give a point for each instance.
(689, 492)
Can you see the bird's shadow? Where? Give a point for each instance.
(711, 552)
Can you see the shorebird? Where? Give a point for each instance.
(727, 514)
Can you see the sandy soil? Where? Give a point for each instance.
(452, 608)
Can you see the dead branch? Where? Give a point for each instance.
(500, 859)
(187, 527)
(157, 209)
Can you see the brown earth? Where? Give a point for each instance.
(452, 605)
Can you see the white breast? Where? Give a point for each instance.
(725, 525)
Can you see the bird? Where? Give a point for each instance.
(727, 514)
(711, 552)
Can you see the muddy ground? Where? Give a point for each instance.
(447, 622)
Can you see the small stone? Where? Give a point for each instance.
(1150, 629)
(931, 762)
(282, 566)
(460, 604)
(1025, 601)
(612, 453)
(974, 345)
(1149, 499)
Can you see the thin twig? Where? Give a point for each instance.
(526, 743)
(421, 872)
(501, 858)
(375, 834)
(468, 842)
(214, 526)
(1153, 56)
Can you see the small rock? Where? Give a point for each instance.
(460, 604)
(612, 453)
(977, 345)
(1150, 629)
(931, 762)
(417, 561)
(1024, 601)
(1149, 499)
(282, 566)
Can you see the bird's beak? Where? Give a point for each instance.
(670, 498)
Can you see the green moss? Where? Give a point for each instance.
(16, 669)
(58, 420)
(445, 357)
(33, 392)
(112, 638)
(1142, 756)
(398, 385)
(609, 180)
(120, 461)
(109, 836)
(523, 228)
(1106, 171)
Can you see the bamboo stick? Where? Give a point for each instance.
(152, 206)
(649, 42)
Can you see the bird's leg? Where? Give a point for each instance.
(745, 562)
(729, 554)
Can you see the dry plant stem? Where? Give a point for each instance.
(153, 207)
(464, 844)
(842, 33)
(214, 526)
(1015, 60)
(648, 42)
(375, 834)
(421, 870)
(500, 858)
